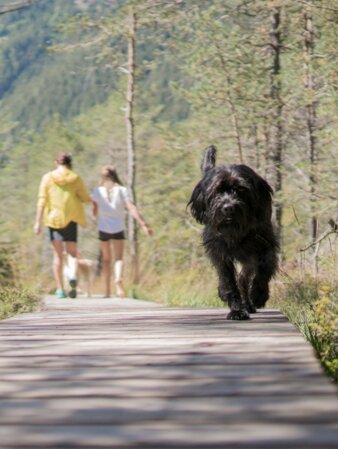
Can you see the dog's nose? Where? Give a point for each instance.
(226, 207)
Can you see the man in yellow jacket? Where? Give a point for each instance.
(60, 204)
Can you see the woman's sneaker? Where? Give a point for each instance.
(72, 293)
(60, 293)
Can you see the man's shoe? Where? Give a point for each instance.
(60, 293)
(73, 284)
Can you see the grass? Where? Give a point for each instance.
(187, 288)
(14, 300)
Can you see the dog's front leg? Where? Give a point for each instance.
(260, 287)
(265, 269)
(229, 292)
(244, 282)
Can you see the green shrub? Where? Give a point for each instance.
(6, 265)
(14, 300)
(312, 305)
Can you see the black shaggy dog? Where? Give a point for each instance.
(234, 204)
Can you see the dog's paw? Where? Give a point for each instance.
(238, 315)
(251, 308)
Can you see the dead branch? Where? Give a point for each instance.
(14, 6)
(333, 230)
(317, 6)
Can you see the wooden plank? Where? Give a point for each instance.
(126, 374)
(158, 435)
(201, 410)
(165, 388)
(164, 371)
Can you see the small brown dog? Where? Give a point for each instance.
(85, 274)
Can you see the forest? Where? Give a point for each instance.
(146, 85)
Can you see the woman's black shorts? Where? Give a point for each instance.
(66, 234)
(105, 236)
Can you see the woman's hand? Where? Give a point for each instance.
(37, 228)
(147, 230)
(132, 209)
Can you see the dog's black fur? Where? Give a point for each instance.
(235, 205)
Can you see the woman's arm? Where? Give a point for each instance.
(134, 212)
(81, 191)
(42, 200)
(94, 209)
(37, 225)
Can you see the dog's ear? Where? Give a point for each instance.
(264, 194)
(261, 191)
(197, 204)
(209, 159)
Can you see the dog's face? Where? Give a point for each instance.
(231, 199)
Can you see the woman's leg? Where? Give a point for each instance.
(118, 267)
(106, 259)
(58, 263)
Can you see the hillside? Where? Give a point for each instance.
(37, 83)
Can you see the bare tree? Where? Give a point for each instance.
(311, 117)
(132, 228)
(276, 130)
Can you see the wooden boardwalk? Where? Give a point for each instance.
(130, 374)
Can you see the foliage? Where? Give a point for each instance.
(39, 80)
(312, 305)
(6, 264)
(14, 300)
(36, 83)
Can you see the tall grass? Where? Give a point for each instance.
(186, 288)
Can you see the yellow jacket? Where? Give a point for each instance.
(61, 195)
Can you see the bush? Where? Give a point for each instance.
(312, 305)
(6, 265)
(14, 300)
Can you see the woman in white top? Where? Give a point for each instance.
(110, 199)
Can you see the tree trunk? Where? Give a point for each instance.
(132, 229)
(311, 118)
(232, 106)
(235, 124)
(276, 134)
